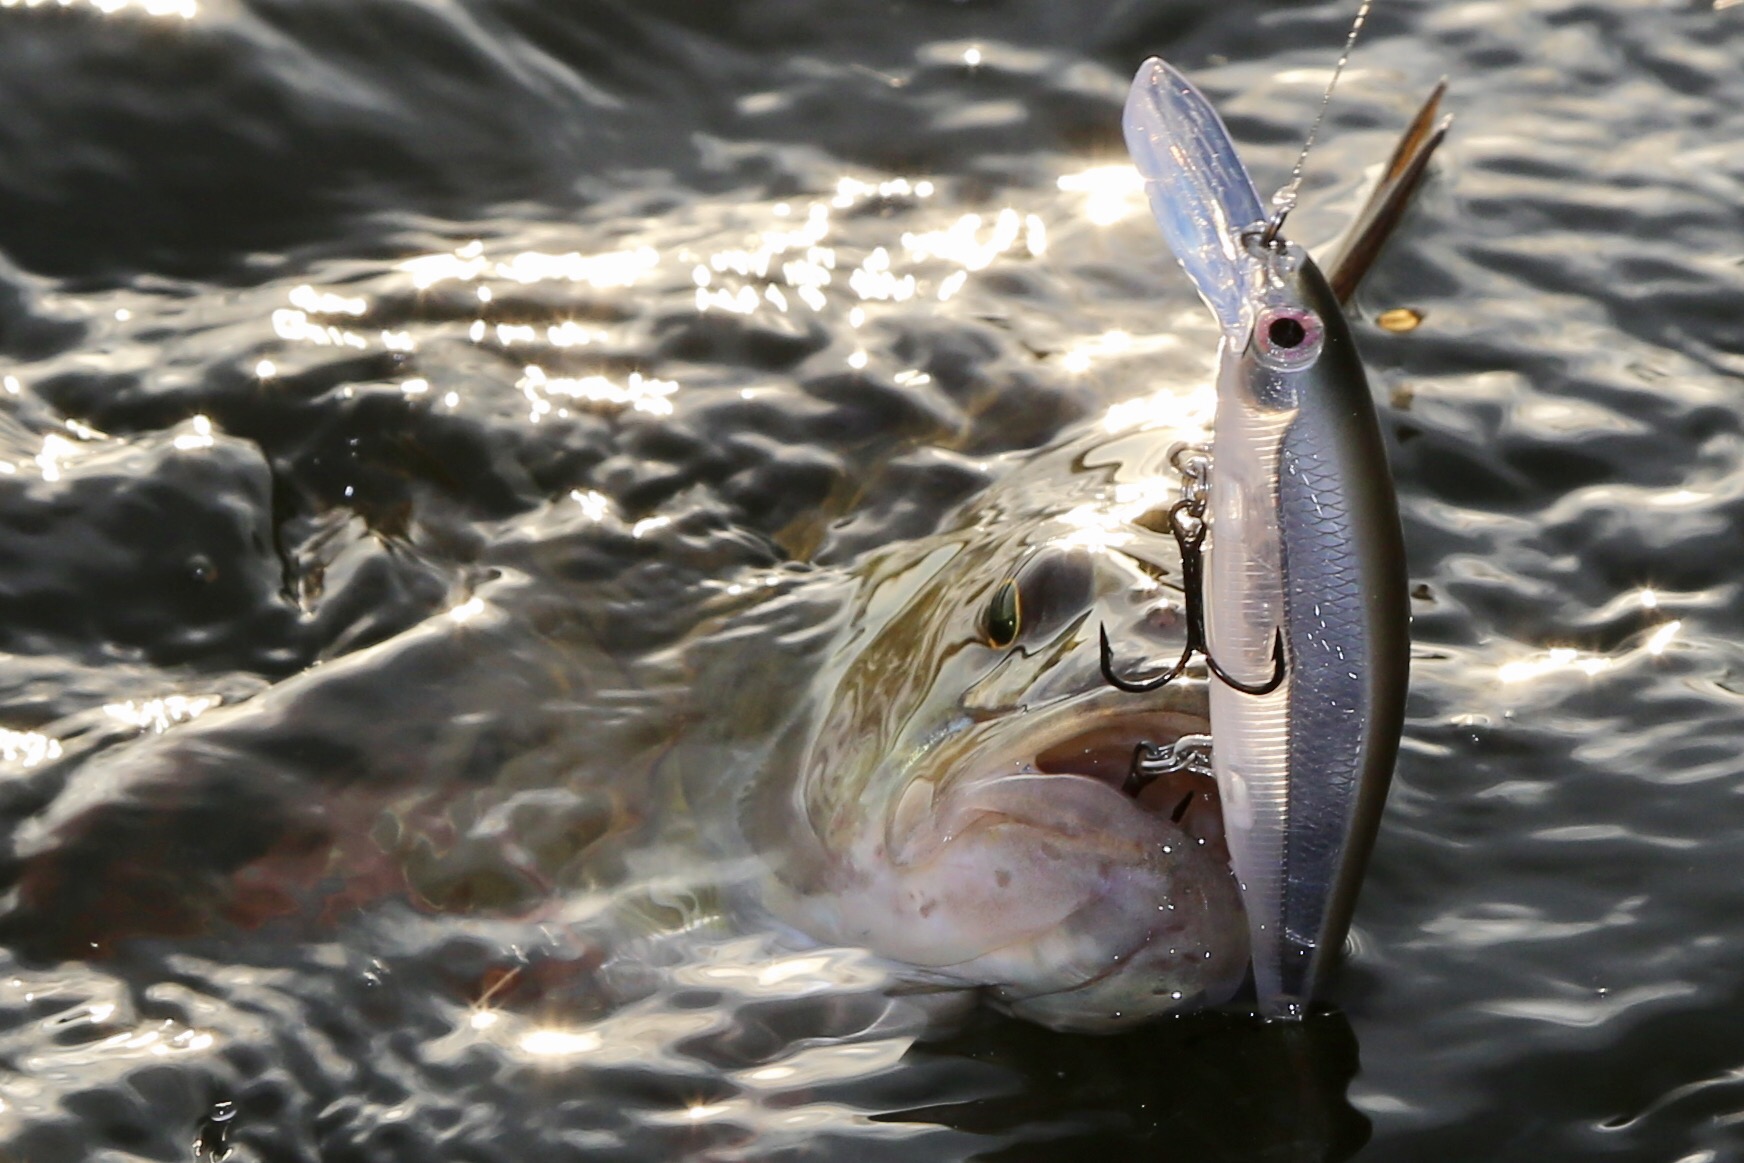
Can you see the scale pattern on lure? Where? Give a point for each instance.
(1304, 550)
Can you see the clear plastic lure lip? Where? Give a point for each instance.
(1199, 191)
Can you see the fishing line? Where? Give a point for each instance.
(1284, 200)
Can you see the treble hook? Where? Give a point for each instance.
(1192, 585)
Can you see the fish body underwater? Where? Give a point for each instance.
(921, 756)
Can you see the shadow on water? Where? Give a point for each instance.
(1208, 1087)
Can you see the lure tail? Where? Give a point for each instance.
(1386, 204)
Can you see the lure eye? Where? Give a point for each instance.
(1288, 338)
(1286, 332)
(1003, 616)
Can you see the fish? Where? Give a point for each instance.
(975, 800)
(916, 754)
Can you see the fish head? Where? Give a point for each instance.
(962, 803)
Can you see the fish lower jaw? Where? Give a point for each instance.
(1068, 903)
(1022, 865)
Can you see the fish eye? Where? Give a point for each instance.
(1058, 585)
(1003, 617)
(1288, 338)
(1048, 592)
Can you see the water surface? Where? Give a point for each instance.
(394, 394)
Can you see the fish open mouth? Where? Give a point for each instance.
(1024, 857)
(1106, 751)
(1126, 904)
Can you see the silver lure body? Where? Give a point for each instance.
(1304, 551)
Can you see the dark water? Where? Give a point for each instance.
(394, 391)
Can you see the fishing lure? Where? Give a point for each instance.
(1304, 590)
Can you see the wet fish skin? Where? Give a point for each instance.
(955, 806)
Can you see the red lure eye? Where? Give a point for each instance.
(1288, 338)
